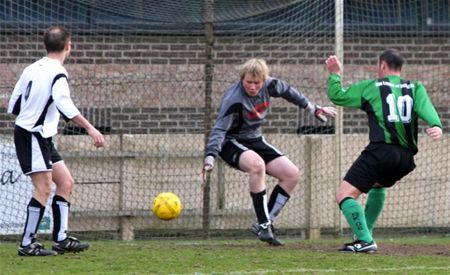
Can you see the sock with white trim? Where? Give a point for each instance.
(35, 212)
(260, 205)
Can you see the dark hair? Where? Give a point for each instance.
(56, 38)
(393, 59)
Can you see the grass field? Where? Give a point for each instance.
(420, 255)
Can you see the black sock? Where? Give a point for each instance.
(35, 212)
(278, 199)
(260, 205)
(60, 208)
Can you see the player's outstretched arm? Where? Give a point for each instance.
(321, 113)
(97, 137)
(434, 132)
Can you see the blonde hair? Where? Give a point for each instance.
(254, 67)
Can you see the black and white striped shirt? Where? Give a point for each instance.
(40, 96)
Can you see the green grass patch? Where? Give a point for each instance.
(423, 255)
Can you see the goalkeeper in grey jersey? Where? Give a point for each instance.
(236, 137)
(393, 106)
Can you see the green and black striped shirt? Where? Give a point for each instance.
(392, 104)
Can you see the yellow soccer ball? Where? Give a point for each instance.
(167, 206)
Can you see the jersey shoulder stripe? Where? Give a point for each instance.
(41, 119)
(57, 77)
(16, 108)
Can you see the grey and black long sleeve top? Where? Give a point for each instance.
(240, 115)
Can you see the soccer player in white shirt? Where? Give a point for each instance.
(39, 97)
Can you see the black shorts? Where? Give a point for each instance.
(380, 163)
(232, 150)
(35, 153)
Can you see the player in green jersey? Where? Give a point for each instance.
(393, 106)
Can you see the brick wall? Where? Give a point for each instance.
(227, 50)
(154, 84)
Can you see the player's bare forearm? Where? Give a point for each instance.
(97, 137)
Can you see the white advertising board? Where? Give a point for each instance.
(15, 193)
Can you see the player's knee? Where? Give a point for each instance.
(43, 189)
(346, 191)
(66, 186)
(257, 166)
(340, 195)
(291, 174)
(294, 174)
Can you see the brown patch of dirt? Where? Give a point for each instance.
(384, 249)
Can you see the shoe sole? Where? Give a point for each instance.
(351, 251)
(271, 241)
(275, 243)
(256, 232)
(62, 250)
(22, 254)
